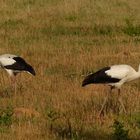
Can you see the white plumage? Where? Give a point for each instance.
(123, 72)
(119, 71)
(4, 61)
(14, 64)
(114, 76)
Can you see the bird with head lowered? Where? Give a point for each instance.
(114, 76)
(14, 64)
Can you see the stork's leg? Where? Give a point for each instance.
(14, 84)
(120, 100)
(103, 105)
(105, 102)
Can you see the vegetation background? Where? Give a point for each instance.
(65, 40)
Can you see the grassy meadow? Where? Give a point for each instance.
(64, 40)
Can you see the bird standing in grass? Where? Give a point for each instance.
(114, 76)
(13, 65)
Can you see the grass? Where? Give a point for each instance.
(64, 41)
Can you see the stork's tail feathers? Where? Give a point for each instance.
(31, 70)
(88, 80)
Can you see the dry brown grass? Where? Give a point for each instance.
(64, 41)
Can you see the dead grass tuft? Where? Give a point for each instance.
(21, 112)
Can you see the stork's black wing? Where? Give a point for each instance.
(20, 65)
(99, 77)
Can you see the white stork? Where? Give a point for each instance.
(13, 65)
(114, 76)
